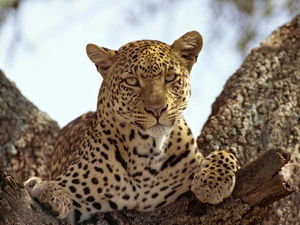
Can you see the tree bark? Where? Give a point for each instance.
(258, 112)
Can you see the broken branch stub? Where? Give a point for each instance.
(260, 182)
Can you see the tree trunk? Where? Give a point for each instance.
(259, 109)
(257, 116)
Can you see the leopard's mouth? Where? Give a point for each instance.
(157, 127)
(154, 130)
(153, 125)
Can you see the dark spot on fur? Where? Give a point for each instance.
(112, 205)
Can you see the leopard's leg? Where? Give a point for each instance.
(216, 179)
(50, 196)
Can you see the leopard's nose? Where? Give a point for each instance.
(156, 112)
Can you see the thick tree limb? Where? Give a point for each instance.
(17, 207)
(258, 110)
(27, 135)
(264, 189)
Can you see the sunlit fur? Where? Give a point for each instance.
(136, 152)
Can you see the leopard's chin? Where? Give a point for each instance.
(158, 130)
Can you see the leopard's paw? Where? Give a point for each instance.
(216, 179)
(51, 197)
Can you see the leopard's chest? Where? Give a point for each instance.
(138, 171)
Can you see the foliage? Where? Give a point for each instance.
(248, 18)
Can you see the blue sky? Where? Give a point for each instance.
(50, 66)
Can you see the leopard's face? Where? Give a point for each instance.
(149, 88)
(146, 83)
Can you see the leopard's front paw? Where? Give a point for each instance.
(216, 178)
(51, 197)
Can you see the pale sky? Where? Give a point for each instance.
(51, 68)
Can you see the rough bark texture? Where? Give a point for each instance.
(17, 207)
(259, 110)
(263, 189)
(27, 135)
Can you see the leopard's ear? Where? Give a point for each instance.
(102, 57)
(188, 47)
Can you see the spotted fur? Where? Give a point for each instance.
(136, 151)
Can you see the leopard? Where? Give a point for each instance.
(136, 151)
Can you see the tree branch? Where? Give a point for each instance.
(263, 190)
(259, 182)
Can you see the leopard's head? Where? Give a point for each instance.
(146, 83)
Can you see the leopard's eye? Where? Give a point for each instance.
(170, 77)
(132, 81)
